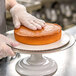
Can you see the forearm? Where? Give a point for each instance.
(10, 3)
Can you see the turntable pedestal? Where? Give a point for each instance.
(36, 65)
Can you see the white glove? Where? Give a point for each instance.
(21, 16)
(5, 50)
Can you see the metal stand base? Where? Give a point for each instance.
(36, 65)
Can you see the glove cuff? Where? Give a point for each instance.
(17, 8)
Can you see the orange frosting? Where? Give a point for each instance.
(49, 34)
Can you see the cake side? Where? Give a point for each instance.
(39, 40)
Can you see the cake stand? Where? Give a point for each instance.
(37, 64)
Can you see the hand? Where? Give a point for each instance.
(5, 50)
(21, 16)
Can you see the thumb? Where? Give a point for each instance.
(16, 22)
(13, 43)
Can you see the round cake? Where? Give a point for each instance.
(48, 34)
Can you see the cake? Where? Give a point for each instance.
(48, 34)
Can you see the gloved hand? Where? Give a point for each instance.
(5, 50)
(21, 16)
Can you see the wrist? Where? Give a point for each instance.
(16, 8)
(11, 5)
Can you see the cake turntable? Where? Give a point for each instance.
(36, 64)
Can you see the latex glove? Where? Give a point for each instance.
(21, 16)
(5, 50)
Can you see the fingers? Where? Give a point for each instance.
(27, 24)
(12, 42)
(5, 51)
(8, 41)
(9, 51)
(40, 22)
(16, 22)
(35, 24)
(1, 53)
